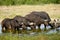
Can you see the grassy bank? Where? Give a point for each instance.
(28, 37)
(10, 11)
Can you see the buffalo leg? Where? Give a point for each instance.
(45, 27)
(33, 28)
(39, 28)
(4, 29)
(52, 26)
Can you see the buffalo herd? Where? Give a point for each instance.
(30, 20)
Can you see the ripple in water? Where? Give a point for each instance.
(52, 31)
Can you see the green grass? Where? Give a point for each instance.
(28, 2)
(28, 37)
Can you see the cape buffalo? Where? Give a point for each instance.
(22, 21)
(14, 25)
(42, 14)
(9, 24)
(56, 23)
(38, 18)
(6, 24)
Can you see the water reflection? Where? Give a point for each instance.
(51, 31)
(42, 28)
(48, 27)
(28, 28)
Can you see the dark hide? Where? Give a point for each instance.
(38, 18)
(22, 21)
(9, 24)
(6, 24)
(42, 14)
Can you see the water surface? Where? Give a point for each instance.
(52, 31)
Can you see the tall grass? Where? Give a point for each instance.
(29, 2)
(28, 37)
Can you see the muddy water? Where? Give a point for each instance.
(42, 30)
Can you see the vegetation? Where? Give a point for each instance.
(28, 2)
(30, 37)
(11, 11)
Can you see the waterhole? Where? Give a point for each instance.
(42, 27)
